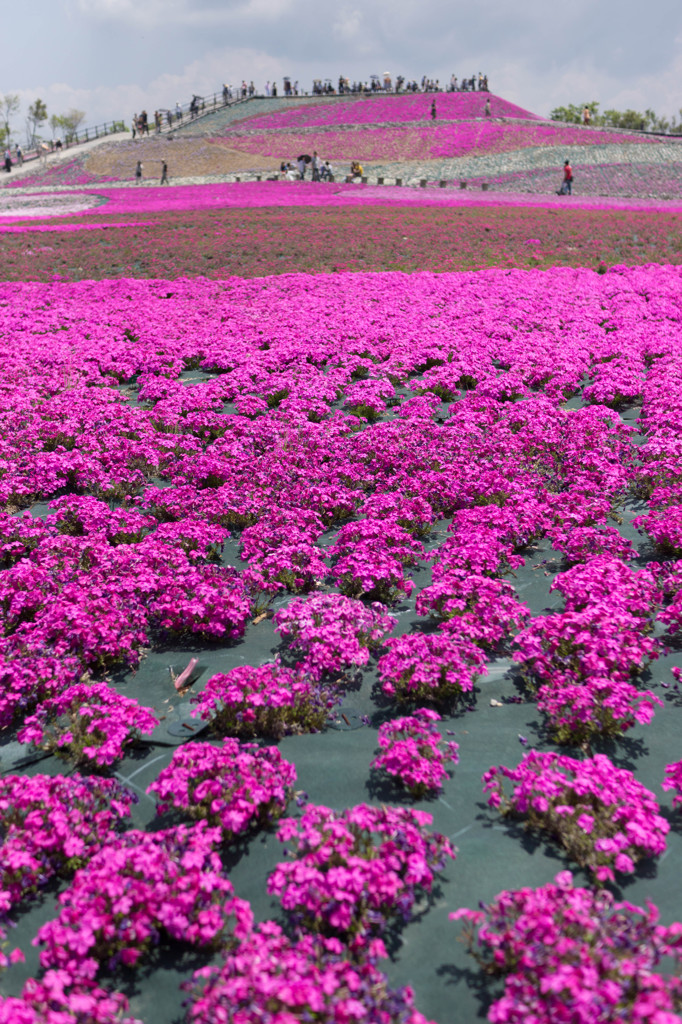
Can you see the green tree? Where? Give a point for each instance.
(68, 124)
(37, 115)
(630, 119)
(573, 113)
(9, 105)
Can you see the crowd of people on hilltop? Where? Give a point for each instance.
(344, 86)
(140, 124)
(385, 83)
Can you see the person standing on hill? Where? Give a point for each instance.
(487, 107)
(138, 172)
(434, 115)
(567, 184)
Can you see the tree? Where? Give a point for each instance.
(9, 104)
(70, 122)
(573, 114)
(37, 115)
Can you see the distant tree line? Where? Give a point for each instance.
(649, 121)
(60, 124)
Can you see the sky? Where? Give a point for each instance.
(112, 58)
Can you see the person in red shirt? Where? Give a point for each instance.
(566, 185)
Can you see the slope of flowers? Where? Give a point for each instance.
(450, 106)
(429, 141)
(603, 179)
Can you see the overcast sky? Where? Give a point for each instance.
(111, 58)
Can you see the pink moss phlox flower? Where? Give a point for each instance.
(333, 633)
(430, 667)
(266, 700)
(88, 723)
(468, 604)
(271, 977)
(51, 826)
(413, 752)
(354, 870)
(565, 950)
(58, 996)
(614, 820)
(141, 890)
(238, 786)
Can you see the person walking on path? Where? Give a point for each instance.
(8, 160)
(164, 173)
(567, 184)
(138, 172)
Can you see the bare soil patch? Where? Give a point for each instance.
(186, 158)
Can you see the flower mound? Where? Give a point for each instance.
(332, 632)
(424, 667)
(238, 787)
(139, 890)
(268, 700)
(88, 724)
(52, 826)
(570, 954)
(58, 999)
(414, 753)
(271, 979)
(356, 870)
(601, 815)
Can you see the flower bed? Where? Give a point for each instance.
(426, 141)
(451, 106)
(156, 432)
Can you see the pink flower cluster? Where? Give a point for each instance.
(485, 610)
(57, 997)
(419, 141)
(585, 658)
(413, 751)
(333, 633)
(52, 826)
(271, 978)
(138, 891)
(430, 667)
(381, 108)
(236, 787)
(602, 816)
(566, 953)
(355, 870)
(268, 700)
(89, 723)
